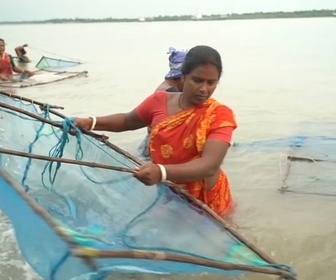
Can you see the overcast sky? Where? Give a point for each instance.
(22, 10)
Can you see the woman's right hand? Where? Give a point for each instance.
(82, 124)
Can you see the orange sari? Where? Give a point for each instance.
(180, 138)
(6, 65)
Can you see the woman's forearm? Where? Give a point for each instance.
(119, 122)
(114, 123)
(18, 70)
(192, 170)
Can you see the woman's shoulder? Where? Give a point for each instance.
(162, 94)
(224, 113)
(219, 106)
(159, 94)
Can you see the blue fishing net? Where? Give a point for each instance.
(308, 158)
(54, 63)
(96, 221)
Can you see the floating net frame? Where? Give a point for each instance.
(47, 62)
(286, 187)
(18, 82)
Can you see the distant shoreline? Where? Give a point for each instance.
(233, 16)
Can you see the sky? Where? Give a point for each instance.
(25, 10)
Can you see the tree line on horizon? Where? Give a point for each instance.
(233, 16)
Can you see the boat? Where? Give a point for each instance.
(78, 212)
(40, 77)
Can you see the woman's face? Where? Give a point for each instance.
(200, 84)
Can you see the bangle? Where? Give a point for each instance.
(94, 121)
(163, 173)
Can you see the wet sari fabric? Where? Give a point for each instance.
(193, 126)
(5, 65)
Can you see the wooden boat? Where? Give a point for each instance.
(77, 210)
(41, 77)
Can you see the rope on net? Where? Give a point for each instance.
(30, 150)
(52, 53)
(58, 150)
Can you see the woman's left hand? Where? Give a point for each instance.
(148, 173)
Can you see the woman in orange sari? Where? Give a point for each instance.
(7, 66)
(191, 132)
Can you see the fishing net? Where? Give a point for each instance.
(310, 167)
(307, 161)
(52, 63)
(78, 212)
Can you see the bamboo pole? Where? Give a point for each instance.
(32, 115)
(307, 159)
(285, 186)
(40, 104)
(309, 193)
(65, 160)
(29, 100)
(164, 256)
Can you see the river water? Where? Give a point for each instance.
(280, 80)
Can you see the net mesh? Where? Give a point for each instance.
(53, 63)
(307, 160)
(104, 211)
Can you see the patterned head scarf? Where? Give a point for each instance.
(176, 59)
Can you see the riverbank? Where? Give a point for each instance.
(200, 17)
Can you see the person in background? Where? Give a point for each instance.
(173, 79)
(172, 83)
(191, 132)
(22, 53)
(7, 65)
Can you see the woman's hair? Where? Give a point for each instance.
(201, 55)
(2, 40)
